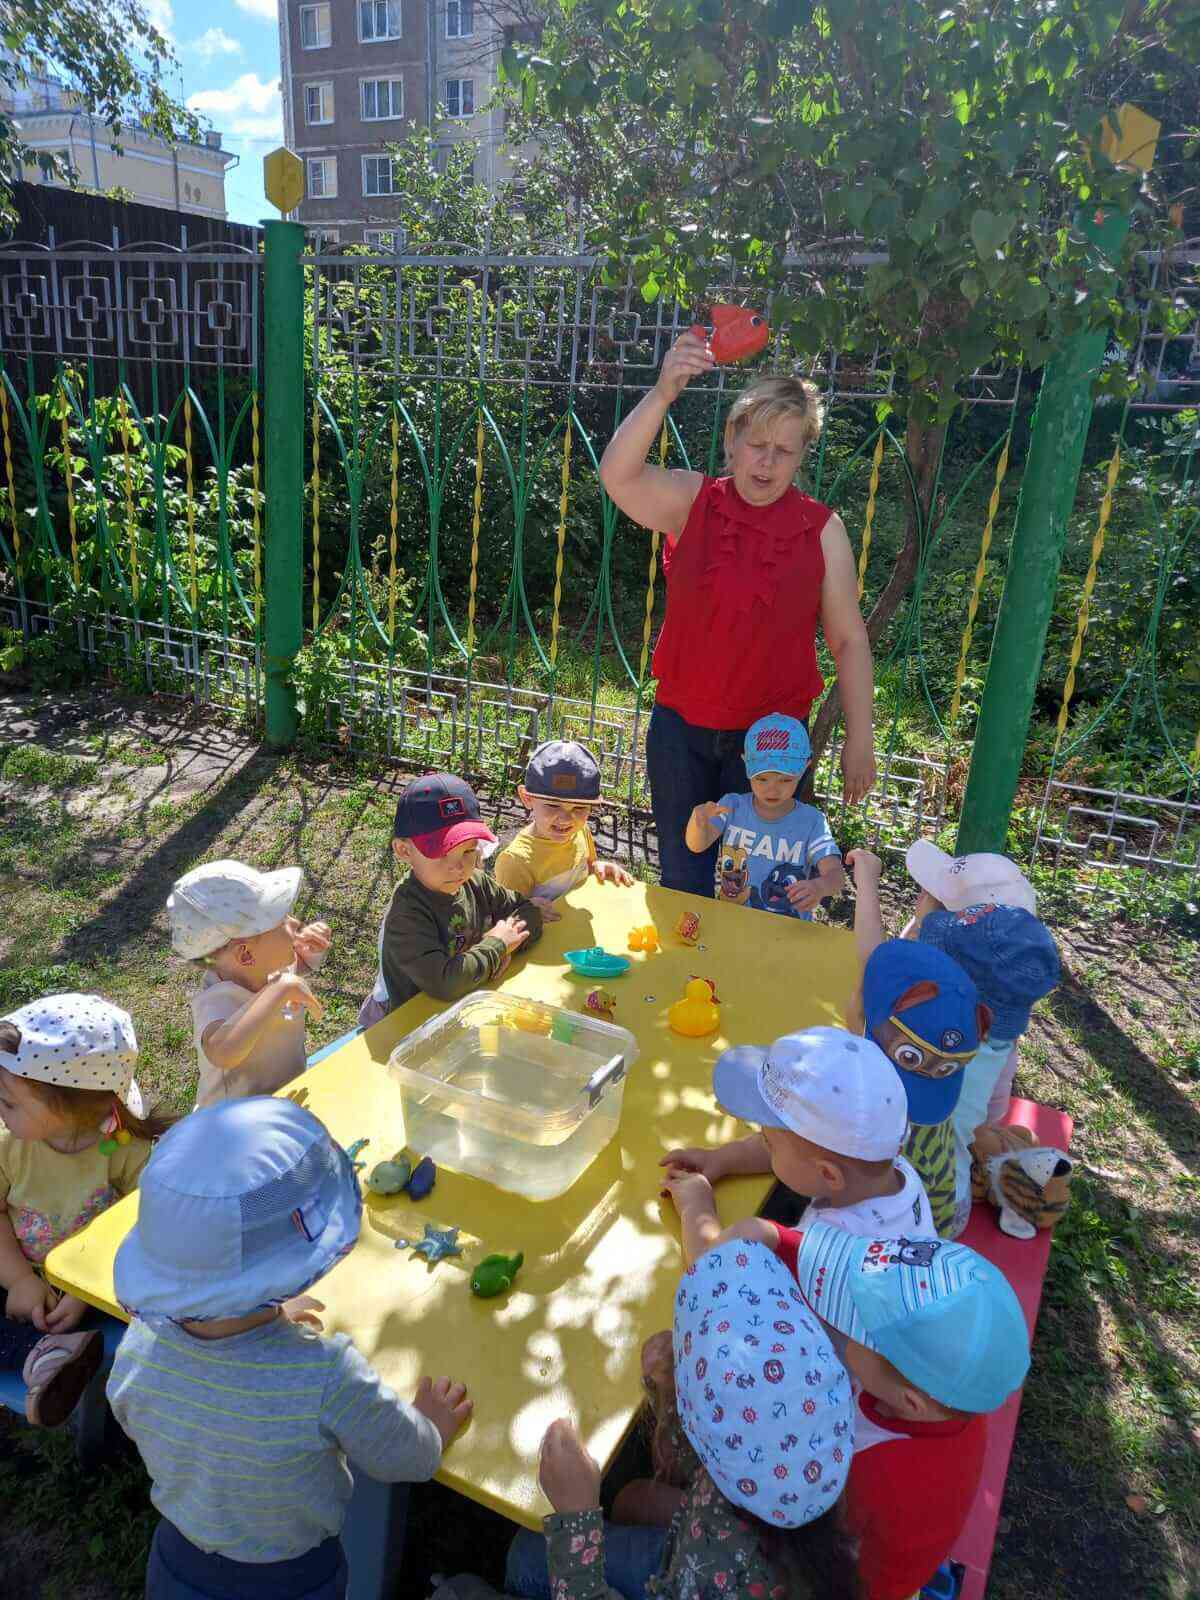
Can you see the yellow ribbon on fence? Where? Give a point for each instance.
(985, 544)
(562, 538)
(194, 587)
(652, 573)
(316, 494)
(1089, 583)
(11, 480)
(393, 537)
(69, 480)
(476, 523)
(131, 528)
(256, 498)
(869, 519)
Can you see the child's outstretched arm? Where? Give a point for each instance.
(701, 1227)
(389, 1438)
(228, 1043)
(703, 829)
(740, 1158)
(868, 917)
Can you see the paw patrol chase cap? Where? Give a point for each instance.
(1006, 952)
(439, 812)
(940, 1032)
(777, 744)
(973, 880)
(242, 1205)
(762, 1397)
(945, 1318)
(560, 769)
(829, 1086)
(224, 900)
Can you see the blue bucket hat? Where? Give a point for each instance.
(947, 1024)
(242, 1205)
(777, 744)
(762, 1397)
(945, 1318)
(1008, 954)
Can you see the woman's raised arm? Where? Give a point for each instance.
(655, 496)
(846, 636)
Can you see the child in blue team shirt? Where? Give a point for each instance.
(777, 852)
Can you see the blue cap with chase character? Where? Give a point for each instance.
(777, 744)
(1007, 952)
(937, 1022)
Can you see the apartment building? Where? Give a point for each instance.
(357, 74)
(181, 176)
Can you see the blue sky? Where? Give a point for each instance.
(229, 73)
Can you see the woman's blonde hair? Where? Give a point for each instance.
(770, 400)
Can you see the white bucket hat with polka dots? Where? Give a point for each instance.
(75, 1041)
(225, 900)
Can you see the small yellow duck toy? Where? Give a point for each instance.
(528, 1020)
(644, 938)
(696, 1014)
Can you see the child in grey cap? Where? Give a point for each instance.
(555, 852)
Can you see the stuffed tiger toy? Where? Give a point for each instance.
(1030, 1183)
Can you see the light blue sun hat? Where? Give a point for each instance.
(241, 1206)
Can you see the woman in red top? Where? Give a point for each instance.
(752, 565)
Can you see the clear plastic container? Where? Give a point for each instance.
(522, 1094)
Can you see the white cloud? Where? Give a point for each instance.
(265, 10)
(249, 109)
(214, 42)
(161, 15)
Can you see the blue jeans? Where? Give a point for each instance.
(632, 1556)
(687, 765)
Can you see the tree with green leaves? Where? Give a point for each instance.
(106, 52)
(905, 176)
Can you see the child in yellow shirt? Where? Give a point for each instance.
(555, 852)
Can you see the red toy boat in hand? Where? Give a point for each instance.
(737, 333)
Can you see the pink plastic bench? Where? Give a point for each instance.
(1023, 1262)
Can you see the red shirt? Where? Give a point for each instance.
(908, 1495)
(907, 1498)
(743, 598)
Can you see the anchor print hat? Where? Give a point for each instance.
(762, 1397)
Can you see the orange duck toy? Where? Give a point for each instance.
(737, 333)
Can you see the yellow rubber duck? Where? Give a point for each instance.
(644, 938)
(528, 1020)
(696, 1014)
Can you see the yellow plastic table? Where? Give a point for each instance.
(602, 1261)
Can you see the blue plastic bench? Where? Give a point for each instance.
(89, 1416)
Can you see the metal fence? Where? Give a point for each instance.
(469, 588)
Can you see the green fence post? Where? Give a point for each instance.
(1051, 477)
(283, 406)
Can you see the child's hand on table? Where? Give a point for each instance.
(709, 1164)
(445, 1403)
(570, 1479)
(512, 930)
(611, 872)
(691, 1191)
(303, 1309)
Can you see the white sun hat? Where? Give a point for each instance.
(973, 880)
(74, 1041)
(225, 900)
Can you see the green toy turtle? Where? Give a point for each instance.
(495, 1274)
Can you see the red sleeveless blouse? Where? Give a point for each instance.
(739, 638)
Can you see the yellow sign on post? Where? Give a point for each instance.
(1134, 144)
(283, 179)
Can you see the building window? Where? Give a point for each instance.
(322, 178)
(378, 19)
(460, 97)
(315, 29)
(318, 103)
(379, 175)
(460, 19)
(382, 98)
(320, 239)
(381, 239)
